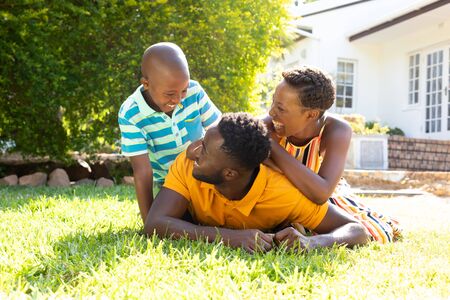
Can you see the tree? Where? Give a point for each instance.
(68, 65)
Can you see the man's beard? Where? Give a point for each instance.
(213, 179)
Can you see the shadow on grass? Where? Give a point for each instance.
(81, 253)
(279, 264)
(16, 197)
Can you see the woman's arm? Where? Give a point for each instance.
(334, 146)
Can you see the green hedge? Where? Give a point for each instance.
(68, 65)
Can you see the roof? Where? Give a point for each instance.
(322, 6)
(400, 16)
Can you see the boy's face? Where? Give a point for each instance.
(167, 89)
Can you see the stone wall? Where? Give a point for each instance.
(418, 154)
(434, 182)
(110, 166)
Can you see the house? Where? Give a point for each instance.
(390, 59)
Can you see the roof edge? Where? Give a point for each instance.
(398, 19)
(333, 8)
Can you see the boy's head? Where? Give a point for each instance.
(239, 143)
(165, 75)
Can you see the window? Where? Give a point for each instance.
(413, 90)
(345, 84)
(433, 108)
(448, 92)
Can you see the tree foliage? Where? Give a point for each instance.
(68, 65)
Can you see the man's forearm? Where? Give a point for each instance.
(350, 234)
(177, 228)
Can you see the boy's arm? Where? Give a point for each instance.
(134, 145)
(143, 183)
(165, 218)
(337, 227)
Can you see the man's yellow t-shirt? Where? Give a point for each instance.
(271, 201)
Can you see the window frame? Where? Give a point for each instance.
(414, 80)
(345, 85)
(434, 95)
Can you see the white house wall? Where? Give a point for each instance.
(331, 29)
(393, 98)
(381, 82)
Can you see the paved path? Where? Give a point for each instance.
(417, 212)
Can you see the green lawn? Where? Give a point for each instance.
(79, 242)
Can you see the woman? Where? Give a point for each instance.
(310, 146)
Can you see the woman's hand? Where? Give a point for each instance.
(270, 163)
(271, 129)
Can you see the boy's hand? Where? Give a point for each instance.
(190, 151)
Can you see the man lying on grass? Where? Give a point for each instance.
(236, 199)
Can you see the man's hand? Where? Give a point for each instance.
(252, 240)
(291, 237)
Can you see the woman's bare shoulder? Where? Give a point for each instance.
(335, 124)
(336, 130)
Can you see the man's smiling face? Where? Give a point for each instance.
(210, 159)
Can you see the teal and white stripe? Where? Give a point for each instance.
(144, 130)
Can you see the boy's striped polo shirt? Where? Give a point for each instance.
(144, 130)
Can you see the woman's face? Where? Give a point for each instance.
(289, 117)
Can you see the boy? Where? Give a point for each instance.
(161, 118)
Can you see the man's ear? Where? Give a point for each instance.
(144, 82)
(229, 174)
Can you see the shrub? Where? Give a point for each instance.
(360, 126)
(395, 131)
(68, 65)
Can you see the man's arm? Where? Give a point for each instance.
(143, 183)
(337, 227)
(165, 218)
